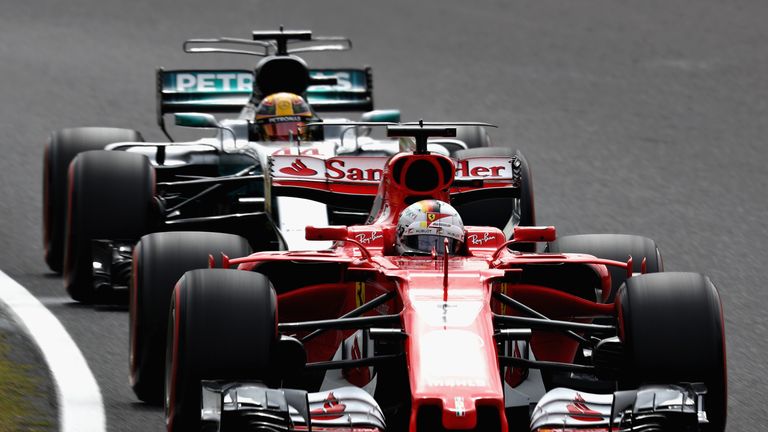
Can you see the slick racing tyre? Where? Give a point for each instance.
(111, 196)
(159, 260)
(616, 247)
(62, 147)
(672, 329)
(502, 213)
(473, 136)
(222, 325)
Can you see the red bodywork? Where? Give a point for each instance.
(450, 350)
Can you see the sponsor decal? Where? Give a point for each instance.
(359, 376)
(431, 217)
(343, 81)
(350, 169)
(359, 295)
(211, 82)
(331, 409)
(298, 168)
(482, 168)
(459, 409)
(579, 410)
(368, 238)
(312, 151)
(371, 169)
(457, 382)
(337, 171)
(475, 239)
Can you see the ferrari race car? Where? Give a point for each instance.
(104, 187)
(348, 183)
(590, 335)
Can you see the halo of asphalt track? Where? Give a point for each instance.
(637, 117)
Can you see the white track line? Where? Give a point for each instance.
(80, 405)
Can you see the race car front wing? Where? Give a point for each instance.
(246, 406)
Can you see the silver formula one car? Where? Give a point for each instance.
(105, 187)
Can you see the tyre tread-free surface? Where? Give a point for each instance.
(222, 325)
(160, 259)
(63, 145)
(616, 247)
(111, 196)
(673, 331)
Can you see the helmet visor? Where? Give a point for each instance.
(427, 243)
(283, 131)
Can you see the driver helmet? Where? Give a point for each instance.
(424, 226)
(282, 116)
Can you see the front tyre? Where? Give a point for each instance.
(222, 325)
(159, 260)
(671, 325)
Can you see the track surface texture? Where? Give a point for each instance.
(647, 118)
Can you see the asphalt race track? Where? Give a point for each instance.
(644, 117)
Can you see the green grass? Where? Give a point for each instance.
(16, 384)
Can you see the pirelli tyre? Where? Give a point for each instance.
(502, 213)
(672, 330)
(222, 325)
(473, 136)
(63, 145)
(616, 247)
(111, 197)
(159, 260)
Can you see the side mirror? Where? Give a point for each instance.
(336, 232)
(382, 116)
(196, 120)
(529, 234)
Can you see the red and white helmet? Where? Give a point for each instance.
(424, 226)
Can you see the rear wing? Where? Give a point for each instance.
(353, 181)
(228, 90)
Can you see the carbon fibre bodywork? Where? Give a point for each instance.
(474, 341)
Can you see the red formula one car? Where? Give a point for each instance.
(394, 328)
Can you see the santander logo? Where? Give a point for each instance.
(332, 408)
(298, 168)
(580, 411)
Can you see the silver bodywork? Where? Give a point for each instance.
(290, 213)
(563, 409)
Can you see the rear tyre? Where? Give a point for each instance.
(222, 325)
(111, 196)
(473, 136)
(672, 330)
(63, 145)
(510, 212)
(159, 260)
(616, 247)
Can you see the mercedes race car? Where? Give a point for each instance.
(378, 332)
(104, 187)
